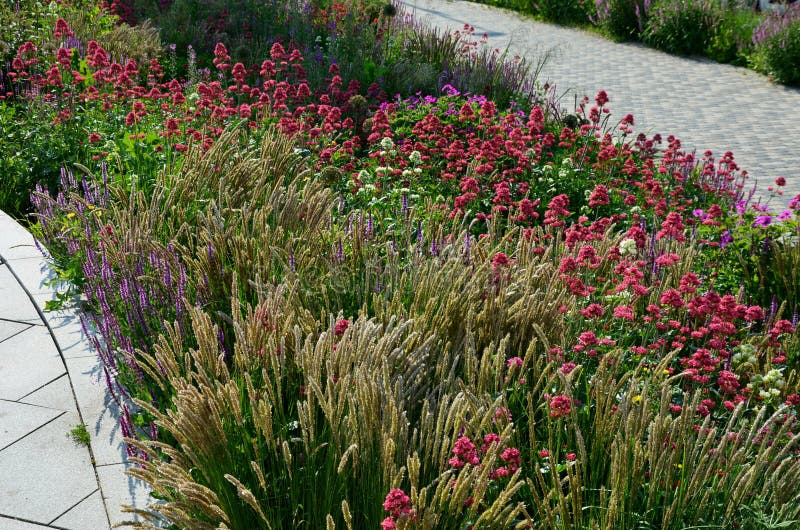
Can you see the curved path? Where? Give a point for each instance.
(705, 104)
(50, 382)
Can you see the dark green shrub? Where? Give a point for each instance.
(681, 27)
(33, 150)
(622, 19)
(564, 11)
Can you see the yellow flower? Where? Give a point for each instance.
(70, 215)
(637, 399)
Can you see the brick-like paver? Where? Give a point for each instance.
(705, 104)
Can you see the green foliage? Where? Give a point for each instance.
(759, 257)
(779, 55)
(731, 36)
(33, 21)
(681, 27)
(79, 435)
(564, 11)
(33, 150)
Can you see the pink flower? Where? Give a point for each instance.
(599, 196)
(601, 98)
(672, 227)
(341, 326)
(499, 260)
(388, 524)
(592, 311)
(502, 415)
(512, 457)
(623, 312)
(570, 457)
(781, 327)
(221, 57)
(489, 440)
(397, 503)
(62, 29)
(560, 406)
(672, 297)
(465, 452)
(514, 363)
(728, 382)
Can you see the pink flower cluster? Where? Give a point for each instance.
(398, 504)
(466, 452)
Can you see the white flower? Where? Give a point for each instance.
(415, 157)
(387, 143)
(627, 247)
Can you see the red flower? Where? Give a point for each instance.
(672, 227)
(601, 98)
(560, 406)
(728, 382)
(62, 29)
(465, 453)
(567, 368)
(397, 503)
(499, 260)
(221, 57)
(599, 196)
(623, 312)
(341, 326)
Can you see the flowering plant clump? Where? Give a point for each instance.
(776, 43)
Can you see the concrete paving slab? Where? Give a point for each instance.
(43, 459)
(68, 331)
(118, 492)
(35, 274)
(7, 523)
(14, 301)
(55, 395)
(9, 328)
(99, 410)
(90, 513)
(15, 241)
(19, 419)
(28, 361)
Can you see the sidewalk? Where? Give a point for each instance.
(50, 382)
(707, 105)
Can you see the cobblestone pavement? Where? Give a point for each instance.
(705, 104)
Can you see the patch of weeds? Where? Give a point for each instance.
(79, 435)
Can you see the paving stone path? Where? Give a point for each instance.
(50, 382)
(705, 104)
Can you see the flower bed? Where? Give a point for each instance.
(331, 308)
